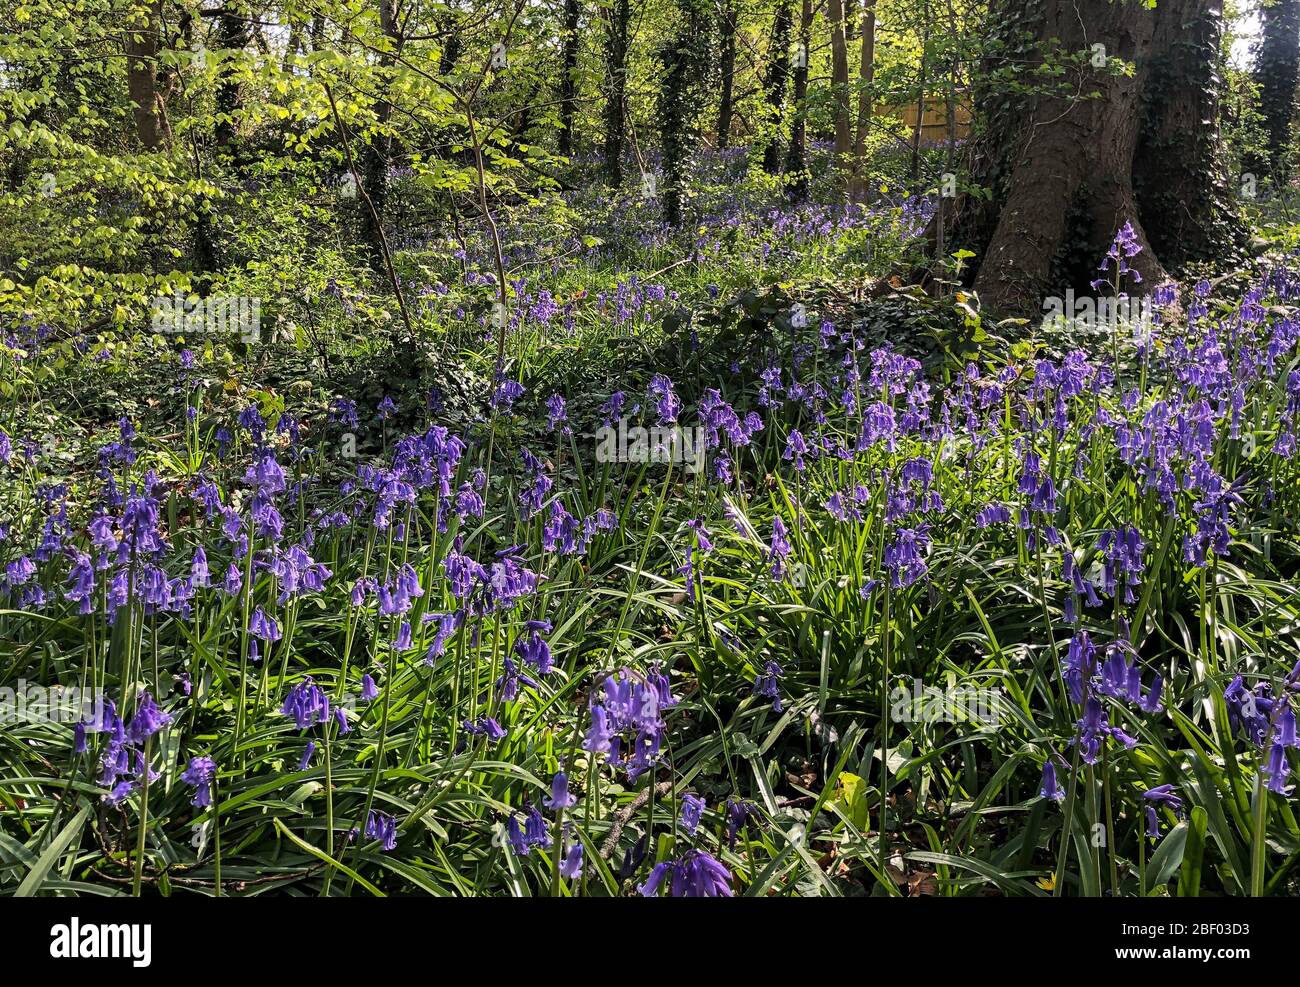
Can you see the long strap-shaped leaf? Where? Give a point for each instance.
(36, 876)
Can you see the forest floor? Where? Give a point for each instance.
(745, 549)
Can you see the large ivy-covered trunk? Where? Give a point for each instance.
(683, 59)
(1186, 198)
(1062, 165)
(1277, 68)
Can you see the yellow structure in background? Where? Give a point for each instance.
(934, 122)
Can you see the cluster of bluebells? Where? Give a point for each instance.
(1268, 722)
(122, 759)
(695, 874)
(1089, 678)
(308, 705)
(627, 723)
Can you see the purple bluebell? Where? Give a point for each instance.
(200, 773)
(560, 798)
(696, 874)
(382, 827)
(692, 808)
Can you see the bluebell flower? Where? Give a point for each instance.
(200, 774)
(532, 836)
(661, 394)
(263, 626)
(560, 797)
(506, 394)
(696, 874)
(369, 691)
(556, 413)
(738, 814)
(571, 865)
(307, 704)
(148, 720)
(485, 726)
(767, 685)
(692, 808)
(403, 641)
(382, 827)
(532, 647)
(780, 549)
(1161, 795)
(1049, 789)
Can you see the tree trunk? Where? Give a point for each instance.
(1186, 198)
(950, 133)
(727, 57)
(232, 35)
(141, 49)
(778, 74)
(1076, 157)
(616, 73)
(1061, 171)
(922, 84)
(568, 82)
(451, 43)
(839, 81)
(375, 156)
(1277, 62)
(866, 76)
(682, 60)
(796, 161)
(293, 46)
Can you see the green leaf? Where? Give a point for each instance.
(36, 876)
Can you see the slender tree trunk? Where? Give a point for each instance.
(568, 79)
(796, 162)
(682, 60)
(727, 58)
(451, 44)
(777, 76)
(141, 48)
(616, 75)
(950, 130)
(922, 85)
(293, 46)
(375, 155)
(866, 76)
(840, 83)
(232, 35)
